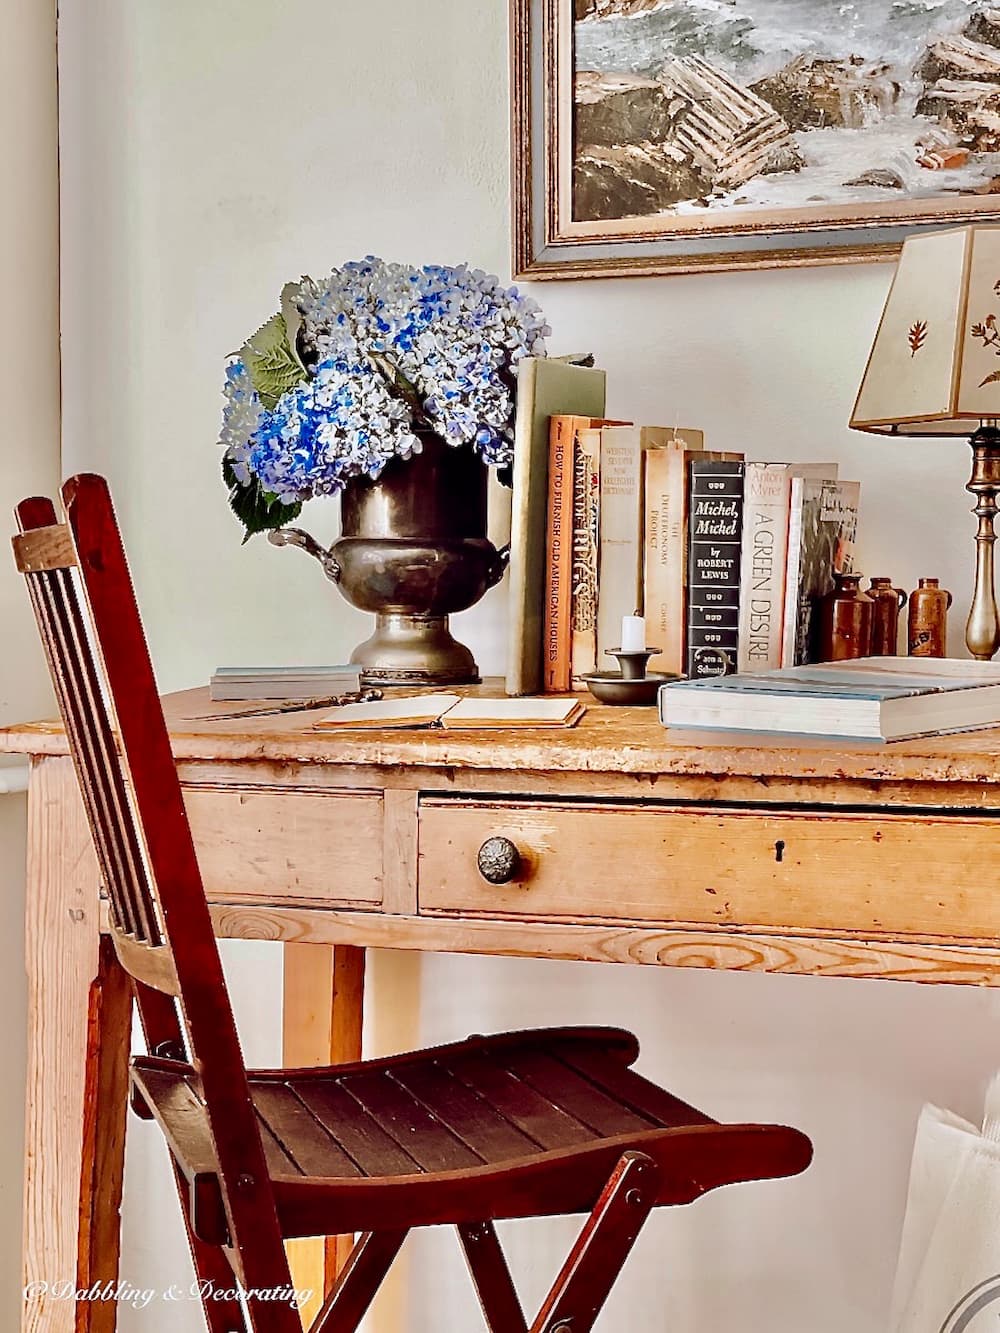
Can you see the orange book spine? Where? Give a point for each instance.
(556, 666)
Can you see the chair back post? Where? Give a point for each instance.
(104, 682)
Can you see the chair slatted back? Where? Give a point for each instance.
(47, 558)
(84, 603)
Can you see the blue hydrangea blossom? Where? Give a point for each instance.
(389, 352)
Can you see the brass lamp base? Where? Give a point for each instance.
(982, 632)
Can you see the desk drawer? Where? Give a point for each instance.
(921, 875)
(303, 847)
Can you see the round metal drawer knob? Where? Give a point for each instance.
(499, 861)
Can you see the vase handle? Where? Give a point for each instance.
(499, 566)
(297, 537)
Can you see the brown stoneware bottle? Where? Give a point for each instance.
(889, 601)
(845, 620)
(927, 621)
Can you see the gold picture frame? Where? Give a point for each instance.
(549, 243)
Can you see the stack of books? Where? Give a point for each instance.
(615, 542)
(726, 559)
(289, 682)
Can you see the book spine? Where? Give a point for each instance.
(793, 563)
(821, 534)
(559, 554)
(714, 553)
(841, 505)
(586, 537)
(544, 387)
(762, 579)
(526, 574)
(620, 553)
(665, 545)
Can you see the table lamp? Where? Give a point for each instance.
(934, 370)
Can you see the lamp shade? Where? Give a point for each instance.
(934, 368)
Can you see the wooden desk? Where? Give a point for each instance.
(871, 862)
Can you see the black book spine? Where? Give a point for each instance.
(715, 537)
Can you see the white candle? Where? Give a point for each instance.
(633, 634)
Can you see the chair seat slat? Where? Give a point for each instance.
(181, 1114)
(469, 1116)
(279, 1161)
(307, 1143)
(408, 1121)
(363, 1139)
(550, 1126)
(630, 1088)
(573, 1093)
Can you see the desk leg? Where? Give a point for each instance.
(323, 1011)
(78, 1021)
(109, 1032)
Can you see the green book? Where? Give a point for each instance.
(545, 388)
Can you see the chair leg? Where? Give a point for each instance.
(213, 1274)
(271, 1316)
(104, 1116)
(603, 1246)
(501, 1307)
(356, 1286)
(264, 1312)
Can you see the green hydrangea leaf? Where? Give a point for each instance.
(272, 362)
(258, 510)
(290, 294)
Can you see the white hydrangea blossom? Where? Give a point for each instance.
(391, 352)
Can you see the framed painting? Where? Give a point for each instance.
(659, 136)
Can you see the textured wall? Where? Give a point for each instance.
(213, 151)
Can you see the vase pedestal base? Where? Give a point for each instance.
(414, 650)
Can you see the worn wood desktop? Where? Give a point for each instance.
(790, 857)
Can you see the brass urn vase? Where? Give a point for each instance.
(413, 550)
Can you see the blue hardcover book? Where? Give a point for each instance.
(875, 698)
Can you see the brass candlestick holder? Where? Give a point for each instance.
(632, 684)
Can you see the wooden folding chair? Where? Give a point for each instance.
(521, 1125)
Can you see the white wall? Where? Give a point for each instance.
(29, 457)
(210, 153)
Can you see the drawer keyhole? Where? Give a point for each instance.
(779, 851)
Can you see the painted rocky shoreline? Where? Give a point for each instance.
(603, 9)
(645, 145)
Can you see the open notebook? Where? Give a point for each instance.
(454, 712)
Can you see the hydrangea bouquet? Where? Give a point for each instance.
(355, 369)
